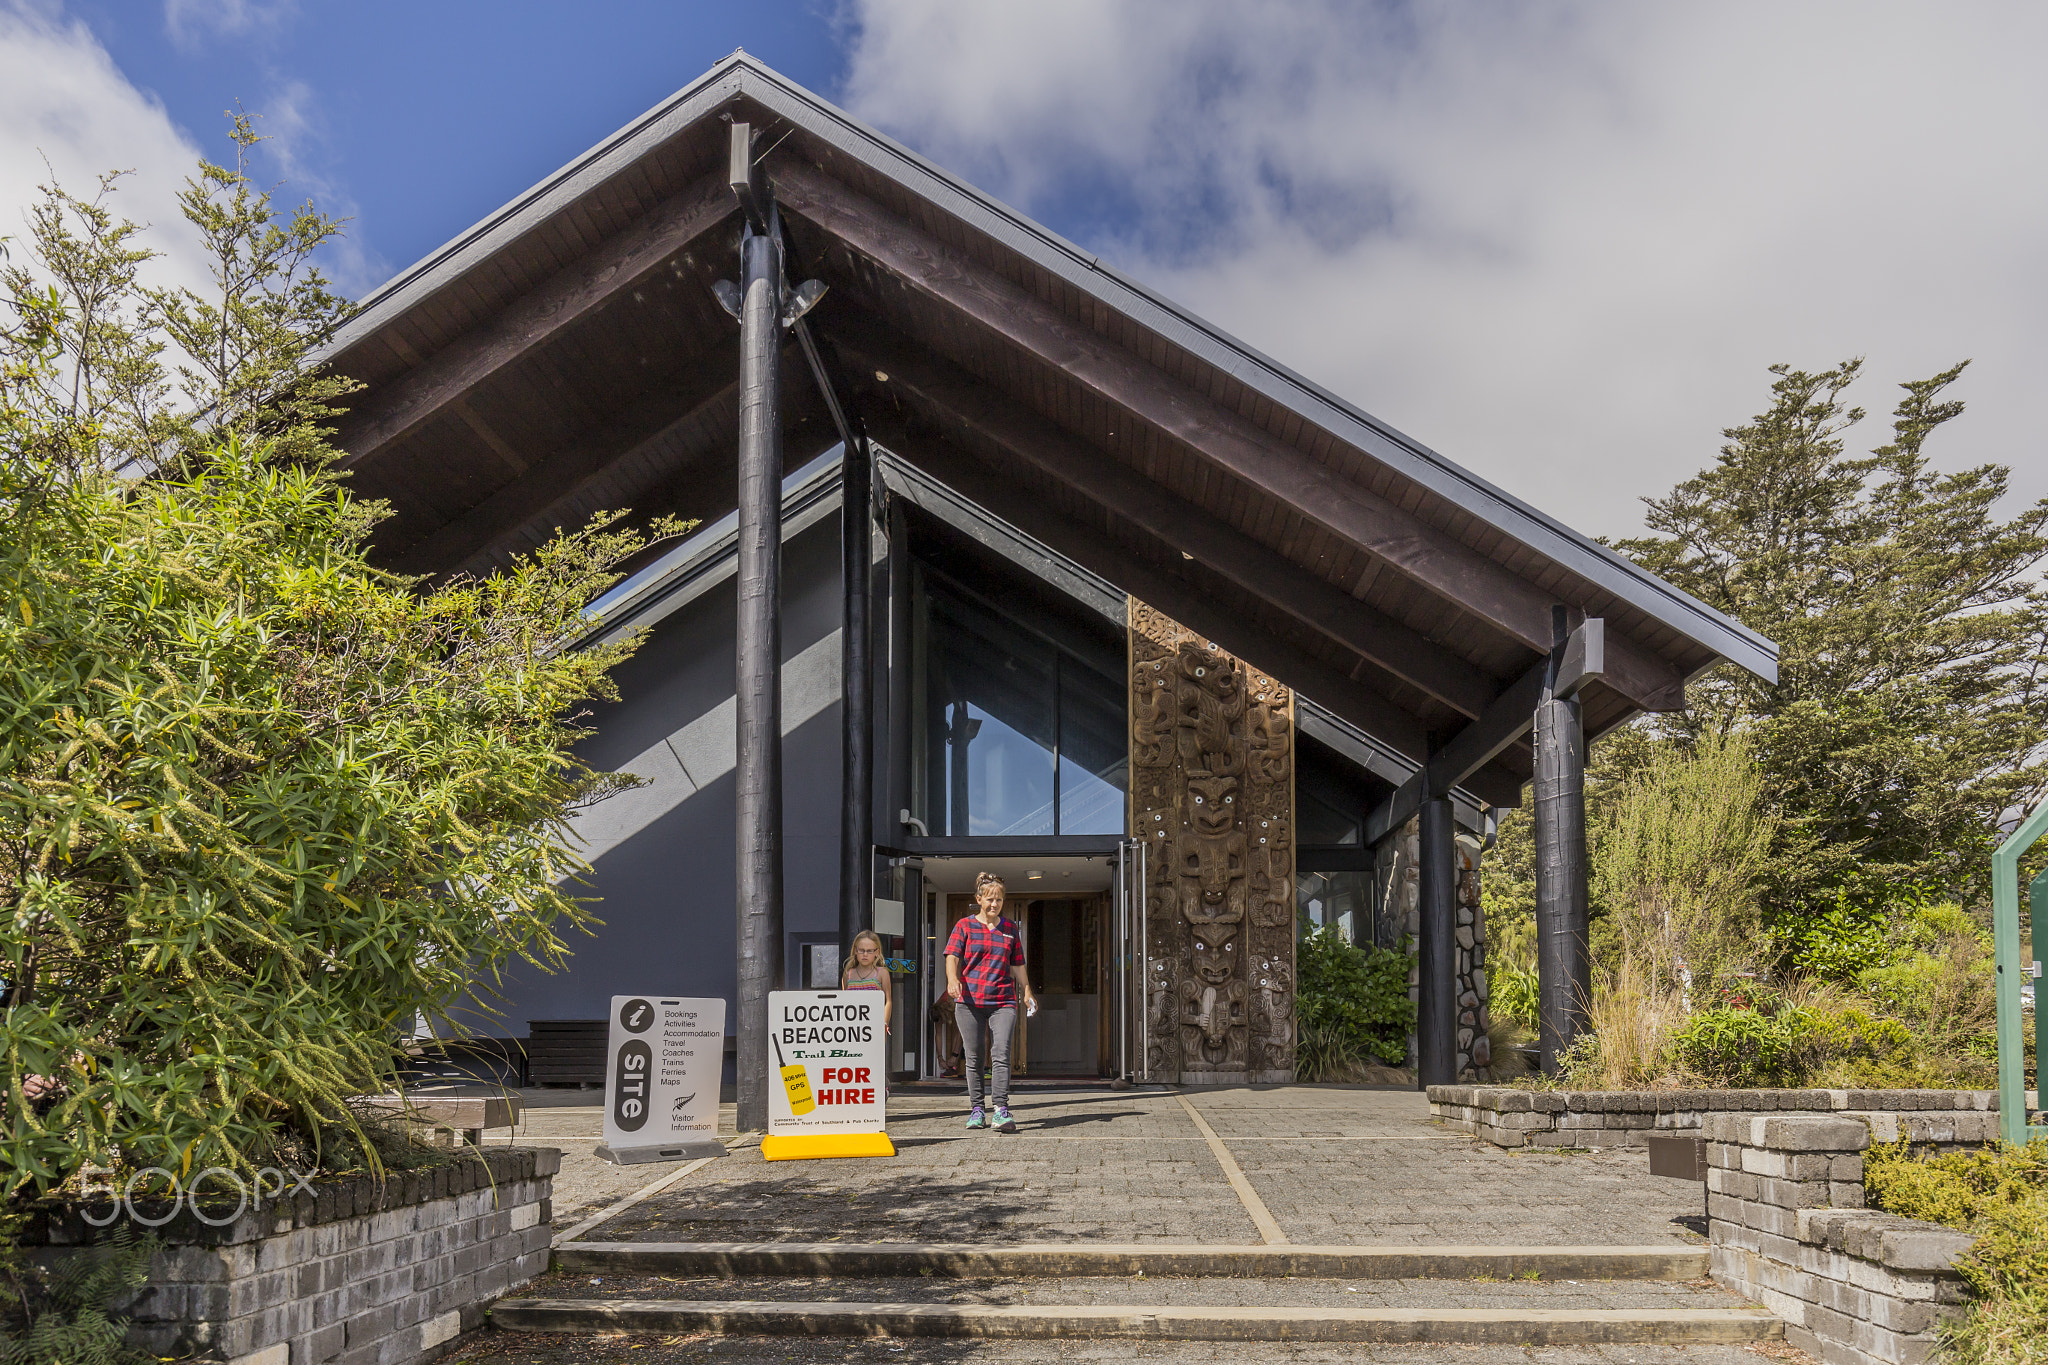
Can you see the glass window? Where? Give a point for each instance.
(1022, 735)
(992, 703)
(1343, 899)
(1094, 748)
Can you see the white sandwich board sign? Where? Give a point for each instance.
(661, 1078)
(827, 1082)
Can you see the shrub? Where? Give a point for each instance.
(1514, 993)
(1738, 1048)
(63, 1316)
(1940, 980)
(1868, 1051)
(2000, 1195)
(1678, 854)
(1324, 1053)
(1359, 993)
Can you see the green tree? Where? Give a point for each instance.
(1911, 707)
(261, 804)
(1680, 850)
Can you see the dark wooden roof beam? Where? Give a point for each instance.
(1430, 557)
(953, 396)
(1510, 717)
(1342, 695)
(472, 541)
(450, 374)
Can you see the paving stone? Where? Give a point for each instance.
(1332, 1165)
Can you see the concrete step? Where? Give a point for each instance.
(850, 1259)
(1142, 1292)
(1157, 1322)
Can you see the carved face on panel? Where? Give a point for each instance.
(1209, 670)
(1216, 952)
(1212, 805)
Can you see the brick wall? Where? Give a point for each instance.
(1509, 1116)
(1788, 1229)
(361, 1272)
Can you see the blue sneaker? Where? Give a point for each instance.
(975, 1119)
(1004, 1123)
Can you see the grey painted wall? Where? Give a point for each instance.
(662, 856)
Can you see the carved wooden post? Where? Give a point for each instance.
(1212, 799)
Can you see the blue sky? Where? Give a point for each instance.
(1560, 243)
(424, 117)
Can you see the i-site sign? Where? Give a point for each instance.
(662, 1065)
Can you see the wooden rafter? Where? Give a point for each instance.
(952, 396)
(621, 264)
(1431, 558)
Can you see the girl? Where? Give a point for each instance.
(867, 973)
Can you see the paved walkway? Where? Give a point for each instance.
(1312, 1165)
(1322, 1166)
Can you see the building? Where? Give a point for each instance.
(1198, 654)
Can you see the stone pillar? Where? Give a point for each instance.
(1436, 1023)
(1397, 879)
(1475, 1052)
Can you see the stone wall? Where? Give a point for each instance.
(1788, 1229)
(1397, 879)
(359, 1272)
(1508, 1116)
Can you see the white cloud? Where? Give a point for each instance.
(67, 111)
(290, 124)
(1557, 243)
(190, 21)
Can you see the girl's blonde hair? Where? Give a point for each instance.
(853, 954)
(984, 880)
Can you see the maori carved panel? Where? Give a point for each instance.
(1212, 798)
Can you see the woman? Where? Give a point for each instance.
(984, 976)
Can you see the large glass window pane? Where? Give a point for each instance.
(1094, 749)
(991, 706)
(1023, 719)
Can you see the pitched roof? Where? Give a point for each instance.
(565, 355)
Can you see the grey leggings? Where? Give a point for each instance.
(1000, 1021)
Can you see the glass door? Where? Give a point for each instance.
(1128, 913)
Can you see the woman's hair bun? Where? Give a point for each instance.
(983, 880)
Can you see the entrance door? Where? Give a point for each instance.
(1063, 951)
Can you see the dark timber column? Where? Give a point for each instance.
(900, 747)
(1436, 1041)
(758, 772)
(1563, 960)
(857, 701)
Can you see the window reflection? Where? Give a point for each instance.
(1024, 732)
(1343, 899)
